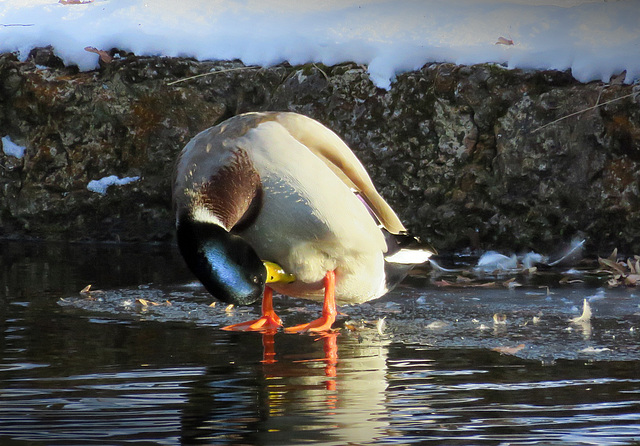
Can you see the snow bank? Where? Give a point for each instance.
(594, 38)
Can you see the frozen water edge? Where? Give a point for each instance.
(528, 323)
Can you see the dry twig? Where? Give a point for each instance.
(586, 109)
(251, 67)
(321, 71)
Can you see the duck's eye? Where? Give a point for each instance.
(255, 279)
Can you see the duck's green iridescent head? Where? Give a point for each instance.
(227, 266)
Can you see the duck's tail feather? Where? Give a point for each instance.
(407, 250)
(404, 252)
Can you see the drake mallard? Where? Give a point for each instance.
(277, 201)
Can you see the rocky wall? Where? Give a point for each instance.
(469, 156)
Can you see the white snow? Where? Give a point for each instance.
(100, 186)
(10, 148)
(594, 38)
(494, 261)
(531, 259)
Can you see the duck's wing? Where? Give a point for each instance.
(328, 146)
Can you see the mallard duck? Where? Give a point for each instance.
(277, 201)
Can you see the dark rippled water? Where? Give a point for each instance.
(144, 361)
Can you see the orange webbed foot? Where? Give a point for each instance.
(262, 324)
(268, 322)
(329, 310)
(320, 324)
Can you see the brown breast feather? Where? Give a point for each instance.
(233, 193)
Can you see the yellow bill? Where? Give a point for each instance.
(275, 273)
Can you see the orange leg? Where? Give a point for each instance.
(329, 310)
(268, 321)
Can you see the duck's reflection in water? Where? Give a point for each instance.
(332, 394)
(338, 397)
